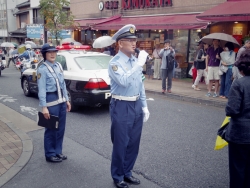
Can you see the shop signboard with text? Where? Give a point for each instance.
(138, 4)
(35, 31)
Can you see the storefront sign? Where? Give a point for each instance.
(35, 31)
(137, 4)
(111, 4)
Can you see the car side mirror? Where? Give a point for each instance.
(33, 66)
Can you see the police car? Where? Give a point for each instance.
(85, 72)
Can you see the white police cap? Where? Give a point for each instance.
(127, 31)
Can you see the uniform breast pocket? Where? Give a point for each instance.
(50, 79)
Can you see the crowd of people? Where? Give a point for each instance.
(216, 65)
(213, 65)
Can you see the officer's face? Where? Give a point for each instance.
(51, 56)
(128, 45)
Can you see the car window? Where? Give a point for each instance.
(61, 59)
(93, 62)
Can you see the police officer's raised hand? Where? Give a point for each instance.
(142, 57)
(68, 106)
(46, 113)
(145, 114)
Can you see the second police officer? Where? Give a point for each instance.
(128, 106)
(54, 100)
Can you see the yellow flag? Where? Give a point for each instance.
(220, 143)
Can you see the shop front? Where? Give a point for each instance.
(231, 17)
(155, 21)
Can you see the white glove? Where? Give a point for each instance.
(145, 114)
(142, 57)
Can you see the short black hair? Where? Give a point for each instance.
(230, 46)
(167, 41)
(243, 63)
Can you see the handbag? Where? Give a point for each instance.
(221, 134)
(223, 68)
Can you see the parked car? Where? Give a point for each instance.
(86, 77)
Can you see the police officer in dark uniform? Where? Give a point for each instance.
(128, 107)
(54, 100)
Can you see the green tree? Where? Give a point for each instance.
(57, 16)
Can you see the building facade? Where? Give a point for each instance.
(155, 20)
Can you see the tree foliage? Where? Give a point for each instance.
(57, 16)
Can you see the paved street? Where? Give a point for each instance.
(176, 146)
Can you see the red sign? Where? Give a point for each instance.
(111, 4)
(137, 4)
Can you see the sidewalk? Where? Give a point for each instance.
(15, 145)
(182, 90)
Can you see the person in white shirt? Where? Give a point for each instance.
(157, 62)
(10, 57)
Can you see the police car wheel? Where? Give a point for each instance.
(26, 87)
(73, 106)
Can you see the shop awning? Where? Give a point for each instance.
(185, 21)
(89, 22)
(228, 11)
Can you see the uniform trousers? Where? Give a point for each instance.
(239, 165)
(53, 139)
(165, 73)
(157, 66)
(126, 128)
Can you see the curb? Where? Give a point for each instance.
(190, 99)
(23, 159)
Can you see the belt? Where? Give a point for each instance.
(157, 58)
(123, 98)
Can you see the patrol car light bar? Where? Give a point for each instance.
(71, 46)
(96, 83)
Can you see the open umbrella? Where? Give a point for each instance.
(103, 41)
(7, 44)
(224, 38)
(32, 44)
(15, 44)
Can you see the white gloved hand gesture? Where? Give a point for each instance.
(145, 114)
(142, 57)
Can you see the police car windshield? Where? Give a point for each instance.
(93, 62)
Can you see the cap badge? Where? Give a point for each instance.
(131, 30)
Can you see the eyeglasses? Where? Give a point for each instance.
(130, 40)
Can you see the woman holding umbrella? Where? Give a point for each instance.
(227, 61)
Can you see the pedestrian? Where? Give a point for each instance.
(150, 68)
(236, 73)
(227, 61)
(201, 66)
(212, 67)
(194, 68)
(238, 130)
(10, 57)
(128, 106)
(54, 100)
(166, 70)
(157, 62)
